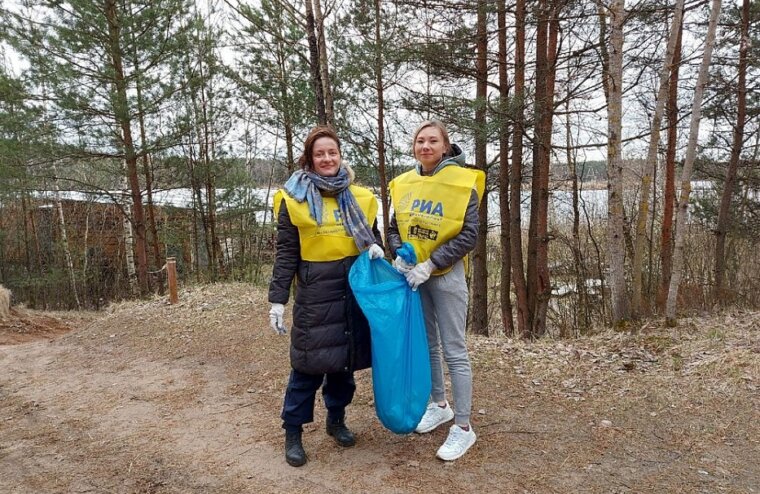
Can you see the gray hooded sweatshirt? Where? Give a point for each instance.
(455, 249)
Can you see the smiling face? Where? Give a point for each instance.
(325, 157)
(429, 147)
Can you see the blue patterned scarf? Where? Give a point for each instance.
(309, 186)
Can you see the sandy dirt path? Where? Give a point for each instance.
(149, 398)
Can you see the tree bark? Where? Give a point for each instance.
(480, 256)
(147, 165)
(616, 213)
(287, 119)
(381, 119)
(324, 71)
(691, 152)
(580, 271)
(65, 239)
(724, 214)
(122, 114)
(539, 283)
(129, 243)
(669, 194)
(316, 77)
(651, 165)
(540, 103)
(524, 314)
(504, 212)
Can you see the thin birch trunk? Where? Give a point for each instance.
(129, 242)
(651, 165)
(27, 242)
(691, 152)
(65, 239)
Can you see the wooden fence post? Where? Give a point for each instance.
(171, 274)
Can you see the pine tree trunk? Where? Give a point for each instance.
(148, 172)
(691, 152)
(314, 63)
(324, 71)
(524, 313)
(479, 312)
(616, 213)
(535, 196)
(146, 158)
(669, 194)
(381, 119)
(121, 111)
(506, 260)
(651, 165)
(539, 283)
(724, 214)
(216, 260)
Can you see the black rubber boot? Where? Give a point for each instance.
(340, 433)
(294, 453)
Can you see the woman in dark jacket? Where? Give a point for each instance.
(321, 228)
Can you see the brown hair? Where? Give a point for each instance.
(317, 132)
(436, 125)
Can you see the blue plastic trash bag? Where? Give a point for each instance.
(400, 358)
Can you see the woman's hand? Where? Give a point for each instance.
(420, 274)
(276, 317)
(376, 252)
(401, 265)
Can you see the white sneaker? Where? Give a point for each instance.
(434, 416)
(457, 444)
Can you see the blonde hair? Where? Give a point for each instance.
(436, 125)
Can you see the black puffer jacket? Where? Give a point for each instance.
(330, 333)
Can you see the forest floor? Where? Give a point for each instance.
(147, 397)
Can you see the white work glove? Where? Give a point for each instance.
(401, 265)
(276, 316)
(376, 252)
(419, 274)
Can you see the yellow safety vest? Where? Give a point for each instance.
(328, 241)
(430, 210)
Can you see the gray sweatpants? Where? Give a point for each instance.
(444, 302)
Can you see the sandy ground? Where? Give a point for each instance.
(151, 398)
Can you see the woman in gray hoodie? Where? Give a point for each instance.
(436, 211)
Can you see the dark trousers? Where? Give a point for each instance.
(298, 409)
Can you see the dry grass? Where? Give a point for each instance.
(157, 398)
